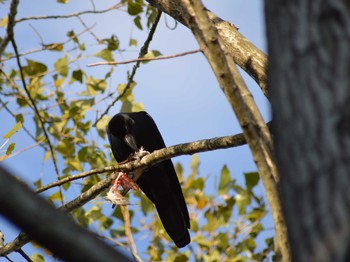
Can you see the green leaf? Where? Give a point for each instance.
(202, 241)
(93, 214)
(61, 66)
(10, 148)
(179, 169)
(37, 183)
(146, 204)
(37, 258)
(225, 180)
(136, 107)
(56, 196)
(250, 244)
(34, 68)
(78, 75)
(19, 118)
(135, 8)
(151, 54)
(95, 84)
(4, 21)
(66, 147)
(128, 92)
(105, 54)
(133, 42)
(63, 1)
(102, 125)
(73, 36)
(198, 183)
(242, 200)
(13, 130)
(113, 42)
(251, 179)
(137, 21)
(75, 164)
(194, 164)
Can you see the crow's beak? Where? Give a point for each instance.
(130, 140)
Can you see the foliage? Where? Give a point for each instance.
(225, 224)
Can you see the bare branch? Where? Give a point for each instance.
(117, 6)
(48, 46)
(128, 233)
(143, 52)
(143, 59)
(10, 26)
(98, 40)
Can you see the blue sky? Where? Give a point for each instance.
(181, 94)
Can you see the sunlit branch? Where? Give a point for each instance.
(143, 59)
(160, 155)
(117, 6)
(47, 47)
(128, 233)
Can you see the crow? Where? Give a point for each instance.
(127, 134)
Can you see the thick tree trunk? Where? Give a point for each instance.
(309, 77)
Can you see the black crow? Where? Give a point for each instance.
(127, 133)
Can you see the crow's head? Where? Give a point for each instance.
(121, 126)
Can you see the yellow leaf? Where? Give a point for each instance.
(13, 130)
(56, 196)
(4, 21)
(47, 156)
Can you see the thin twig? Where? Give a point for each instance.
(90, 31)
(145, 59)
(22, 150)
(49, 46)
(54, 160)
(128, 233)
(117, 6)
(24, 255)
(143, 52)
(10, 26)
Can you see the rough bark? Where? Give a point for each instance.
(309, 79)
(238, 95)
(247, 56)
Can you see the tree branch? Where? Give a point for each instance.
(117, 6)
(160, 155)
(143, 59)
(128, 233)
(246, 55)
(148, 160)
(10, 26)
